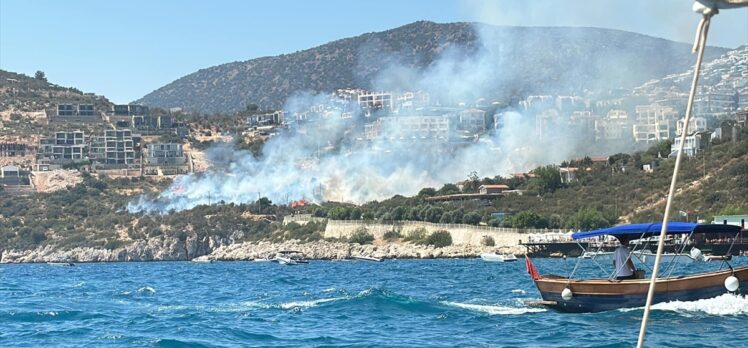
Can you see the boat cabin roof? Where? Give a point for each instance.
(636, 231)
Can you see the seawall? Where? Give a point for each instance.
(462, 234)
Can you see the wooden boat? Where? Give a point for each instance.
(594, 295)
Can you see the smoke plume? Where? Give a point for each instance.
(329, 159)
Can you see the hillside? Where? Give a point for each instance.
(23, 100)
(22, 93)
(93, 214)
(726, 72)
(521, 60)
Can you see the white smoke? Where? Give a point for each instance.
(329, 160)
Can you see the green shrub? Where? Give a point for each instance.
(113, 244)
(391, 235)
(38, 237)
(487, 241)
(361, 236)
(417, 236)
(471, 218)
(439, 239)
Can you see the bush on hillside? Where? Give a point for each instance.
(417, 236)
(361, 236)
(487, 241)
(391, 235)
(439, 239)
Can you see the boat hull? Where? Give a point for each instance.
(491, 257)
(597, 295)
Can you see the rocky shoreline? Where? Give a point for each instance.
(225, 249)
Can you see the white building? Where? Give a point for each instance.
(409, 128)
(546, 122)
(653, 123)
(712, 102)
(411, 101)
(376, 101)
(695, 125)
(691, 147)
(614, 126)
(473, 120)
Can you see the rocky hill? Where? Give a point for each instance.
(522, 60)
(22, 93)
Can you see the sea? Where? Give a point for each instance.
(395, 303)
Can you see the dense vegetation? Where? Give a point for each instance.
(531, 60)
(93, 214)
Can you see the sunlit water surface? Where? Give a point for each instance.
(394, 303)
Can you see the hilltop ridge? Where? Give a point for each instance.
(530, 59)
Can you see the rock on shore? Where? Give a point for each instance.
(214, 248)
(154, 249)
(323, 250)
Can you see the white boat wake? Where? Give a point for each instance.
(722, 305)
(494, 309)
(726, 304)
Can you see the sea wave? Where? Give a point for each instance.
(147, 290)
(726, 304)
(494, 309)
(49, 315)
(307, 304)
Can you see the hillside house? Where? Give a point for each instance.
(492, 189)
(63, 148)
(74, 113)
(14, 176)
(568, 174)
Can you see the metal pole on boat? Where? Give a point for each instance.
(707, 8)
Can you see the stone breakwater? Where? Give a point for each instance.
(212, 248)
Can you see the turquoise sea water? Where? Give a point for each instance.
(396, 303)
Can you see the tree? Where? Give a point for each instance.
(555, 221)
(547, 178)
(448, 189)
(427, 192)
(252, 108)
(587, 219)
(397, 213)
(338, 213)
(528, 219)
(471, 218)
(39, 75)
(355, 214)
(433, 214)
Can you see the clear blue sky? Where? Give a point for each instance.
(125, 49)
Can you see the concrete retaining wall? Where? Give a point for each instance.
(461, 233)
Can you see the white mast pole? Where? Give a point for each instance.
(699, 47)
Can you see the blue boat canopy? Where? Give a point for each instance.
(635, 231)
